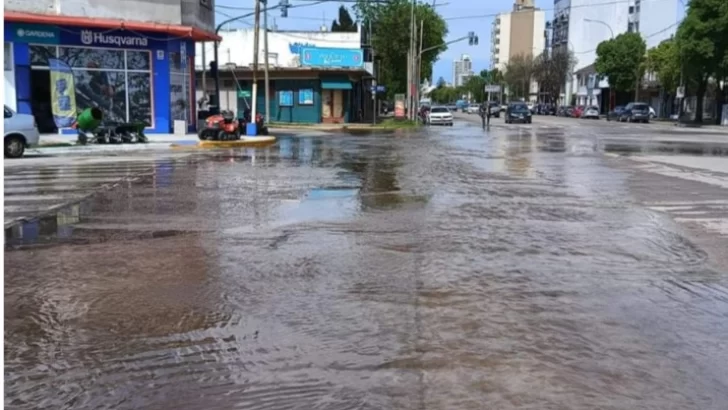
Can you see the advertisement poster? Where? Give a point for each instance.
(63, 93)
(305, 97)
(399, 106)
(285, 98)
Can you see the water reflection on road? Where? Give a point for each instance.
(449, 269)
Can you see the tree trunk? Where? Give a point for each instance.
(699, 96)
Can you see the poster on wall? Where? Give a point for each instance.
(285, 98)
(63, 93)
(305, 97)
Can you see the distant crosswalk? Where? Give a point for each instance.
(35, 189)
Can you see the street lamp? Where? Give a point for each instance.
(602, 23)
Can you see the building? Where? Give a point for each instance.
(520, 32)
(131, 59)
(462, 70)
(315, 76)
(581, 25)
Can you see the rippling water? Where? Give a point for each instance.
(446, 270)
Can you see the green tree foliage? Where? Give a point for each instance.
(552, 69)
(518, 75)
(621, 60)
(391, 38)
(664, 61)
(702, 43)
(444, 95)
(345, 23)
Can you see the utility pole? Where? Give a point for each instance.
(256, 46)
(419, 66)
(265, 46)
(204, 68)
(410, 62)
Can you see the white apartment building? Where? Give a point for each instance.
(581, 25)
(462, 70)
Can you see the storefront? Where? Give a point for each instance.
(130, 75)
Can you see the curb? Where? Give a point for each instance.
(92, 149)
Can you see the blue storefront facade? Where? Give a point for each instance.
(131, 75)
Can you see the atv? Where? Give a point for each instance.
(221, 127)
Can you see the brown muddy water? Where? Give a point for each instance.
(440, 270)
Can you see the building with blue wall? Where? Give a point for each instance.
(132, 75)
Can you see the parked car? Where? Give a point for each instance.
(473, 108)
(591, 112)
(531, 107)
(518, 112)
(577, 111)
(21, 132)
(635, 112)
(439, 115)
(652, 113)
(565, 111)
(615, 113)
(495, 109)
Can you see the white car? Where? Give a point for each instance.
(531, 107)
(591, 112)
(473, 108)
(21, 132)
(439, 115)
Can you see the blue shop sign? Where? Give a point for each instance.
(35, 33)
(332, 57)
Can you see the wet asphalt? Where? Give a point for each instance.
(557, 265)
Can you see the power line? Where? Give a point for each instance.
(590, 5)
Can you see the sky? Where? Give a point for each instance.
(465, 15)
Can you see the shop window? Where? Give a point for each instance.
(116, 81)
(179, 87)
(92, 58)
(8, 57)
(39, 55)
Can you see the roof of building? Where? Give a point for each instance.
(193, 33)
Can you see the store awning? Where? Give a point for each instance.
(193, 33)
(336, 83)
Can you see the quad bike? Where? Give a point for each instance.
(221, 127)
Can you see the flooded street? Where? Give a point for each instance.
(442, 269)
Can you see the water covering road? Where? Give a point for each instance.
(442, 270)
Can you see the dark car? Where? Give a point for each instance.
(615, 113)
(518, 112)
(635, 112)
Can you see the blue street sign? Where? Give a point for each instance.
(381, 89)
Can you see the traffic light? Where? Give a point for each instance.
(472, 39)
(284, 8)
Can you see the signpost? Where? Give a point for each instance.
(492, 88)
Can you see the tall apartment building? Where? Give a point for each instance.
(462, 70)
(581, 25)
(520, 32)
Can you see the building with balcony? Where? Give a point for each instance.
(580, 25)
(132, 59)
(519, 32)
(462, 70)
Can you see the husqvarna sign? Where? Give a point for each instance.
(91, 38)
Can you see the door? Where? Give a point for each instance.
(338, 104)
(326, 104)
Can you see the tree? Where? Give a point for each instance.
(441, 82)
(518, 75)
(551, 70)
(391, 38)
(621, 60)
(345, 24)
(702, 43)
(664, 62)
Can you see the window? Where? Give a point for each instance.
(116, 81)
(179, 87)
(8, 57)
(631, 9)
